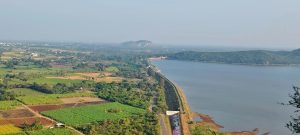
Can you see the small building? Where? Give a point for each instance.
(169, 113)
(34, 54)
(60, 125)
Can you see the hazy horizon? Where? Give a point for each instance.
(232, 23)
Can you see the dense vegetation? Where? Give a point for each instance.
(294, 124)
(44, 73)
(137, 124)
(259, 57)
(137, 95)
(169, 91)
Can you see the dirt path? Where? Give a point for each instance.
(163, 127)
(41, 116)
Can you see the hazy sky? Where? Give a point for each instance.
(243, 23)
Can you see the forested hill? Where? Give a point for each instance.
(255, 57)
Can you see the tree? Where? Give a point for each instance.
(6, 95)
(36, 125)
(294, 124)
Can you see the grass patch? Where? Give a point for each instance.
(110, 79)
(7, 105)
(40, 99)
(50, 98)
(87, 114)
(9, 129)
(53, 81)
(24, 92)
(112, 69)
(54, 131)
(69, 95)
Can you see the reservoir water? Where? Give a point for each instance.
(238, 97)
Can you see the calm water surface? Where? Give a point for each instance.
(237, 97)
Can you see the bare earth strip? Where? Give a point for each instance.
(16, 113)
(80, 99)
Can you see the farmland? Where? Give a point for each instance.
(55, 131)
(41, 99)
(74, 85)
(50, 98)
(16, 113)
(6, 105)
(24, 92)
(87, 114)
(9, 129)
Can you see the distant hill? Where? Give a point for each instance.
(255, 57)
(139, 43)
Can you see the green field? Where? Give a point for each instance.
(40, 99)
(112, 69)
(55, 131)
(6, 105)
(53, 81)
(87, 114)
(78, 94)
(50, 98)
(24, 92)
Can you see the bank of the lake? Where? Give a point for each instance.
(237, 97)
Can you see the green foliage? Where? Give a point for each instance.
(199, 130)
(87, 114)
(169, 92)
(112, 69)
(29, 79)
(142, 124)
(294, 124)
(24, 92)
(4, 95)
(241, 57)
(53, 81)
(124, 93)
(36, 125)
(7, 105)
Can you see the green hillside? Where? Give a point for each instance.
(256, 57)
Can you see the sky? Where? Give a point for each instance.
(241, 23)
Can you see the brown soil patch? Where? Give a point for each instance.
(20, 121)
(68, 77)
(41, 108)
(253, 132)
(98, 77)
(184, 124)
(109, 79)
(80, 99)
(16, 113)
(207, 120)
(95, 75)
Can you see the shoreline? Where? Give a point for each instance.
(187, 116)
(237, 64)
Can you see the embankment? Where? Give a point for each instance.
(175, 98)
